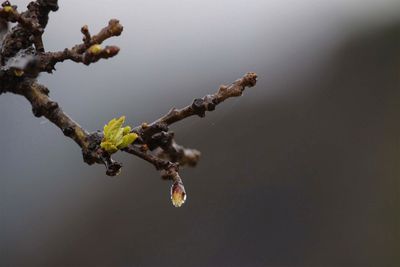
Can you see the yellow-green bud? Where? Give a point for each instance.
(116, 137)
(8, 8)
(95, 49)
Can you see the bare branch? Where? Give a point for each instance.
(10, 13)
(88, 52)
(29, 29)
(209, 102)
(43, 105)
(177, 153)
(156, 134)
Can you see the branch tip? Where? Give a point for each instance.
(23, 57)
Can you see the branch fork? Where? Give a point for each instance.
(23, 57)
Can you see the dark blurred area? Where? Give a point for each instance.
(303, 170)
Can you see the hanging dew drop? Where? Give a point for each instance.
(178, 194)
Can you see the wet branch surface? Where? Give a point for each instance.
(23, 58)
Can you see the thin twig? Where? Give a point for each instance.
(23, 58)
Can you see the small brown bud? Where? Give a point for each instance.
(84, 29)
(144, 147)
(18, 72)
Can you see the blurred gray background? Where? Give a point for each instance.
(303, 170)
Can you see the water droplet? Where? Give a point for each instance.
(178, 194)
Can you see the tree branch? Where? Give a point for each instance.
(88, 52)
(23, 57)
(43, 105)
(209, 102)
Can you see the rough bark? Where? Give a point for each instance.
(23, 57)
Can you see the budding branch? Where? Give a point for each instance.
(23, 58)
